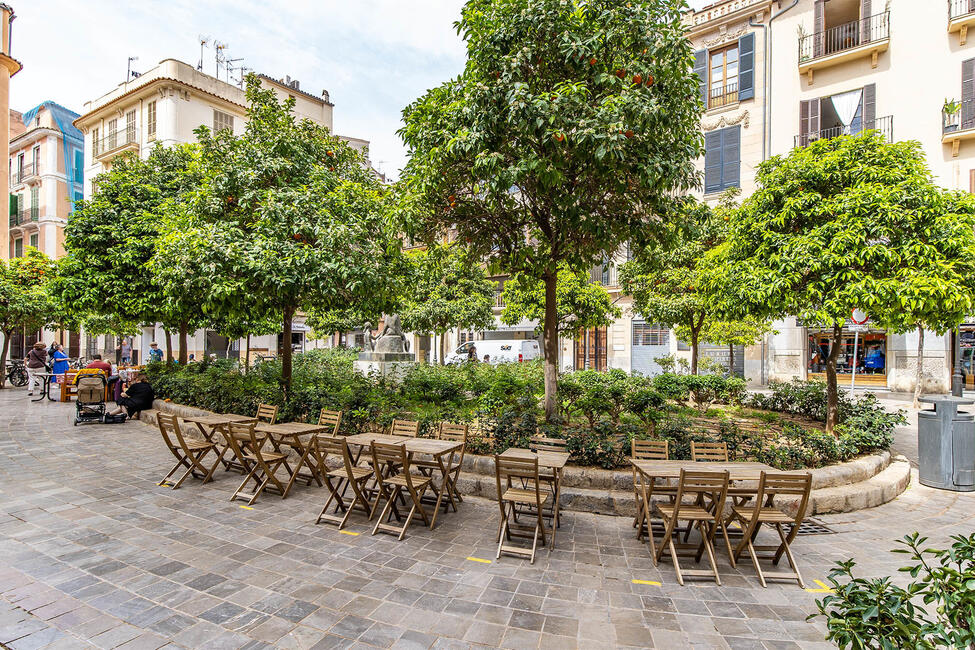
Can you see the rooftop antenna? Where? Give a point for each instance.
(230, 66)
(204, 41)
(128, 70)
(218, 55)
(243, 75)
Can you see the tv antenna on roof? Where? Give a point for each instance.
(128, 72)
(218, 55)
(204, 41)
(243, 75)
(230, 66)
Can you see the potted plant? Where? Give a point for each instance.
(950, 111)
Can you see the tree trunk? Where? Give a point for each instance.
(832, 390)
(169, 345)
(3, 359)
(247, 359)
(551, 343)
(919, 377)
(442, 348)
(694, 351)
(286, 352)
(731, 359)
(226, 352)
(183, 343)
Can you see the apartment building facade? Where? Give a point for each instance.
(163, 106)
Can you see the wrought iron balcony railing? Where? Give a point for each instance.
(20, 175)
(24, 215)
(844, 37)
(960, 116)
(723, 96)
(959, 8)
(884, 125)
(114, 140)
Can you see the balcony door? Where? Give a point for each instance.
(846, 113)
(590, 352)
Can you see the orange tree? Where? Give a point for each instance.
(25, 304)
(572, 123)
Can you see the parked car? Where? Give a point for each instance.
(498, 351)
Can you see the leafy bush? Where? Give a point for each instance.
(876, 613)
(705, 390)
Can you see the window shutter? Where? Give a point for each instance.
(818, 26)
(731, 157)
(808, 121)
(968, 94)
(869, 107)
(971, 175)
(701, 70)
(712, 161)
(746, 67)
(866, 35)
(13, 204)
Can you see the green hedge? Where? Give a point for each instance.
(601, 412)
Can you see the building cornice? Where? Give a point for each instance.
(34, 134)
(722, 14)
(12, 65)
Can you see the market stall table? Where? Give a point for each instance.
(438, 449)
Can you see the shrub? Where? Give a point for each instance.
(875, 613)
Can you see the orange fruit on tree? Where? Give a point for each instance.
(637, 79)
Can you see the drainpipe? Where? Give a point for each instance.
(768, 69)
(752, 23)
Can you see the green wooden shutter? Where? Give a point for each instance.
(746, 67)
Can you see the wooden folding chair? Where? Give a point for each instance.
(764, 512)
(709, 452)
(330, 419)
(455, 433)
(647, 450)
(541, 443)
(261, 465)
(344, 477)
(708, 491)
(524, 470)
(267, 413)
(405, 428)
(189, 452)
(392, 457)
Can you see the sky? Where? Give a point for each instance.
(373, 56)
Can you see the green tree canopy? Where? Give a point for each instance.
(25, 302)
(105, 278)
(288, 218)
(846, 223)
(580, 304)
(570, 127)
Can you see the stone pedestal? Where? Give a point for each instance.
(385, 364)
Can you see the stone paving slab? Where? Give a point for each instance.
(94, 554)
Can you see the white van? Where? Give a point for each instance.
(498, 351)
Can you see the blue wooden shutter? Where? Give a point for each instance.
(712, 161)
(79, 165)
(701, 70)
(746, 67)
(731, 157)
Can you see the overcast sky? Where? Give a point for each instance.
(373, 56)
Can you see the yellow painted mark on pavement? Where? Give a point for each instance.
(646, 582)
(165, 484)
(348, 532)
(477, 559)
(246, 507)
(824, 588)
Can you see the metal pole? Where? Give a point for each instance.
(956, 377)
(853, 377)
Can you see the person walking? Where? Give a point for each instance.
(155, 354)
(35, 363)
(59, 362)
(472, 354)
(125, 347)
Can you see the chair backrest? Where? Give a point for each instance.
(523, 470)
(169, 428)
(243, 431)
(330, 445)
(389, 454)
(701, 483)
(330, 419)
(541, 443)
(267, 413)
(650, 450)
(454, 432)
(405, 428)
(709, 452)
(794, 484)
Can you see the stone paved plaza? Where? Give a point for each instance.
(94, 554)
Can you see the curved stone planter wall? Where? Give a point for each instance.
(864, 482)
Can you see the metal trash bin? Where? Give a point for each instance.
(946, 444)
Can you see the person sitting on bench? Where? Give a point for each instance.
(137, 397)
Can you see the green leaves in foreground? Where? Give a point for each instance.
(865, 613)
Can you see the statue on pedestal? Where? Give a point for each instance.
(390, 339)
(388, 352)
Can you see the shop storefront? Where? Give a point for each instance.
(966, 337)
(870, 361)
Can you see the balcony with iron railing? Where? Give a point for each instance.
(723, 96)
(957, 123)
(885, 125)
(961, 15)
(605, 275)
(867, 37)
(24, 174)
(24, 215)
(115, 143)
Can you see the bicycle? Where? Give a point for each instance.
(17, 375)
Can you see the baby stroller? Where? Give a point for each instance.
(90, 404)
